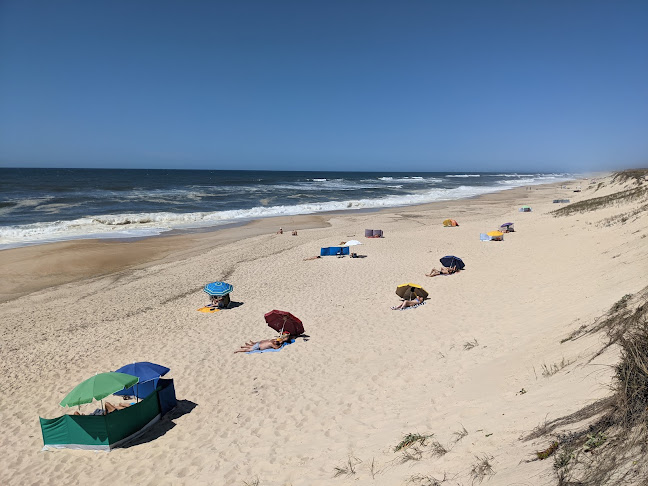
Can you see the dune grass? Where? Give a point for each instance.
(611, 448)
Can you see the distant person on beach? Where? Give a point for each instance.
(294, 233)
(443, 271)
(275, 343)
(280, 232)
(409, 303)
(220, 301)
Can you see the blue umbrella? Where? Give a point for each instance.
(218, 288)
(148, 374)
(452, 261)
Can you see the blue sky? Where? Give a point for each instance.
(324, 85)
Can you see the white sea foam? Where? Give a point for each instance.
(147, 224)
(517, 182)
(464, 175)
(412, 179)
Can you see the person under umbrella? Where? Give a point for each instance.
(451, 264)
(412, 294)
(286, 324)
(219, 294)
(264, 344)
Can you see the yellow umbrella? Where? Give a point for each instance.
(495, 233)
(406, 291)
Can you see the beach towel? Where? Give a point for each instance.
(409, 307)
(271, 350)
(208, 309)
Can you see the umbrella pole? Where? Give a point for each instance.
(104, 412)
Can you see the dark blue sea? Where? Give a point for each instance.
(45, 205)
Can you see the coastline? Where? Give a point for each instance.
(34, 267)
(364, 377)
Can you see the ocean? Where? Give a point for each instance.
(47, 205)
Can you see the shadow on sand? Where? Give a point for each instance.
(165, 424)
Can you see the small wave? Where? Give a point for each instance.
(407, 179)
(318, 180)
(147, 224)
(517, 182)
(464, 175)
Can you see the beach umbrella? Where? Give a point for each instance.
(218, 288)
(495, 233)
(144, 370)
(282, 322)
(452, 261)
(98, 387)
(148, 373)
(406, 291)
(352, 243)
(506, 225)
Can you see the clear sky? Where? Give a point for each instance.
(324, 85)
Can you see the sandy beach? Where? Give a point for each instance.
(465, 369)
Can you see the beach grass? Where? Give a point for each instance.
(481, 468)
(617, 425)
(411, 439)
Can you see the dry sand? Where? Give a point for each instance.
(364, 377)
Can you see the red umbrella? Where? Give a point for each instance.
(282, 321)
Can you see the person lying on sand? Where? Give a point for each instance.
(220, 301)
(275, 343)
(409, 303)
(444, 271)
(111, 408)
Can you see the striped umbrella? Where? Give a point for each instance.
(218, 288)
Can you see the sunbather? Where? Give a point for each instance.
(264, 344)
(443, 271)
(409, 303)
(111, 408)
(220, 301)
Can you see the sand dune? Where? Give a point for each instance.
(345, 396)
